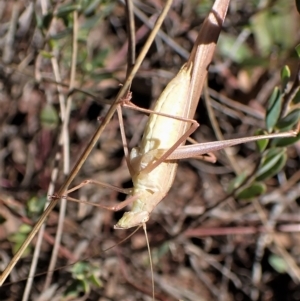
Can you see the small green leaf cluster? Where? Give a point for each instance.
(19, 237)
(35, 206)
(93, 12)
(85, 276)
(274, 153)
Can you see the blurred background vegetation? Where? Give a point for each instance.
(247, 248)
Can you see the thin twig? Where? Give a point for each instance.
(66, 153)
(131, 35)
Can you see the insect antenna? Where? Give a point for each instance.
(150, 259)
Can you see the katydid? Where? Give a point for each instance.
(153, 163)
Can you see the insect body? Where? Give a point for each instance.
(161, 133)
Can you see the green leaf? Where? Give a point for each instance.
(64, 10)
(253, 190)
(284, 142)
(25, 229)
(96, 281)
(85, 286)
(19, 237)
(278, 263)
(289, 120)
(272, 166)
(44, 22)
(46, 54)
(79, 269)
(236, 182)
(296, 98)
(274, 108)
(35, 205)
(270, 158)
(49, 117)
(285, 77)
(261, 144)
(85, 277)
(269, 154)
(91, 8)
